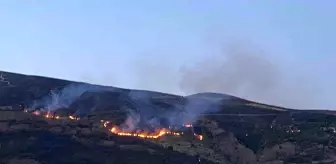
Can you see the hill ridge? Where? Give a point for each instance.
(19, 76)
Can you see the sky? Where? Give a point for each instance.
(137, 44)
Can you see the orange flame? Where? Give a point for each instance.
(73, 118)
(48, 115)
(159, 133)
(37, 113)
(198, 136)
(187, 125)
(115, 130)
(105, 123)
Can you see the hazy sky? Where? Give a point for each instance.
(98, 41)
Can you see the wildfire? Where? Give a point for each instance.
(162, 132)
(73, 118)
(48, 115)
(198, 136)
(118, 131)
(51, 115)
(187, 125)
(105, 123)
(157, 134)
(37, 113)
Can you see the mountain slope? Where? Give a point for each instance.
(235, 130)
(24, 89)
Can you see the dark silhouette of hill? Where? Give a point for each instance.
(23, 89)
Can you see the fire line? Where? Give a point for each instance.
(117, 131)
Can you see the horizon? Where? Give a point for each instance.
(162, 46)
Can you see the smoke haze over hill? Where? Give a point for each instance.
(240, 71)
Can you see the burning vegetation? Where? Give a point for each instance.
(118, 130)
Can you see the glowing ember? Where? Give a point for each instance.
(105, 123)
(73, 118)
(199, 137)
(48, 115)
(37, 113)
(188, 125)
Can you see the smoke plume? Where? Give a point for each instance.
(240, 71)
(148, 113)
(66, 96)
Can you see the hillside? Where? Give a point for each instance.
(233, 130)
(24, 89)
